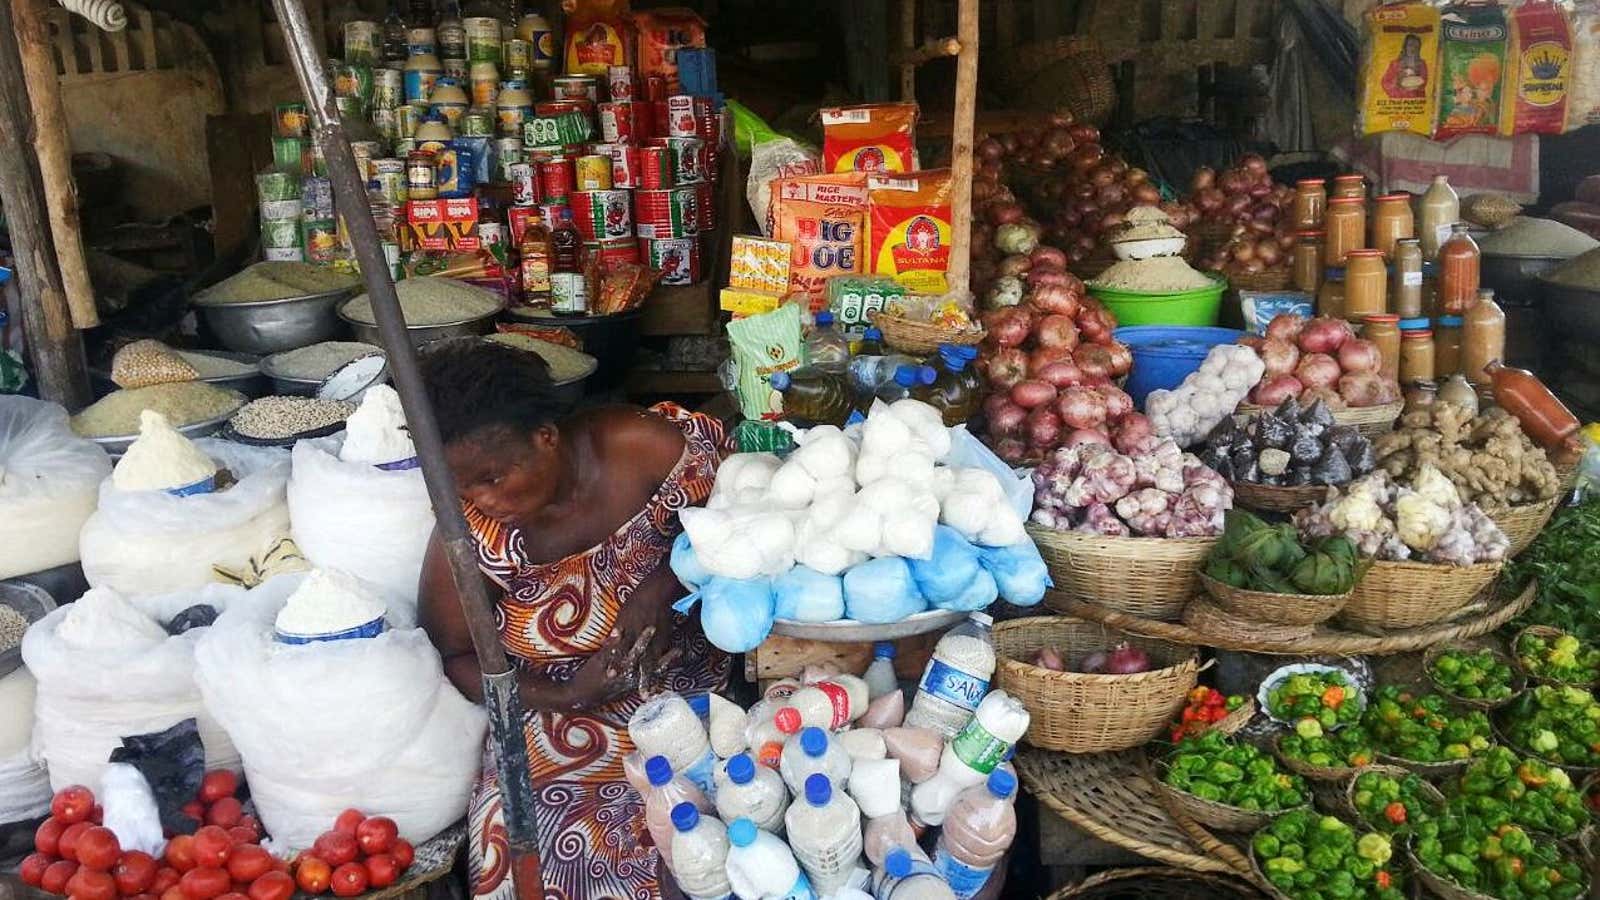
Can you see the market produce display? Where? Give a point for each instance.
(1310, 743)
(1487, 457)
(1159, 491)
(1424, 729)
(275, 280)
(1319, 359)
(1213, 767)
(1427, 521)
(1326, 696)
(1392, 805)
(1290, 445)
(1472, 675)
(1556, 724)
(1559, 658)
(182, 403)
(1507, 862)
(1259, 557)
(1204, 707)
(1501, 788)
(1243, 195)
(1206, 396)
(1564, 560)
(1307, 856)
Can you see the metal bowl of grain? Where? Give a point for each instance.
(270, 326)
(32, 603)
(424, 334)
(434, 308)
(301, 371)
(281, 421)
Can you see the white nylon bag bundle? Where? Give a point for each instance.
(24, 784)
(49, 484)
(151, 542)
(107, 669)
(360, 519)
(323, 727)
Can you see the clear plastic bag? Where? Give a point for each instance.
(49, 485)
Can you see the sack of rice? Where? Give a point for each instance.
(49, 485)
(143, 363)
(108, 668)
(154, 542)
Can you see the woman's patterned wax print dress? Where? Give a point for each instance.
(591, 831)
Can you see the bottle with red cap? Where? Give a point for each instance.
(830, 704)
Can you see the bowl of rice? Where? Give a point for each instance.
(1162, 290)
(433, 307)
(569, 368)
(273, 306)
(195, 409)
(302, 370)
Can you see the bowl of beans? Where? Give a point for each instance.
(21, 604)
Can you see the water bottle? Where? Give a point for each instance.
(827, 349)
(871, 343)
(666, 792)
(868, 373)
(906, 379)
(977, 833)
(813, 396)
(971, 756)
(810, 752)
(699, 854)
(760, 865)
(906, 877)
(880, 677)
(956, 677)
(825, 834)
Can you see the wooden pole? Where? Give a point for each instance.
(50, 144)
(961, 140)
(908, 44)
(54, 348)
(500, 689)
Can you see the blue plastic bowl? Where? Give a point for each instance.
(1163, 355)
(369, 630)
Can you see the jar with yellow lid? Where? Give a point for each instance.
(1365, 284)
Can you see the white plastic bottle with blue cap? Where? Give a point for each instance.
(668, 725)
(824, 828)
(699, 854)
(748, 791)
(956, 677)
(905, 876)
(761, 866)
(826, 348)
(810, 752)
(971, 756)
(978, 831)
(666, 792)
(880, 677)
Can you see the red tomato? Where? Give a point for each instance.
(212, 846)
(205, 882)
(216, 785)
(242, 835)
(97, 814)
(249, 862)
(336, 847)
(67, 848)
(377, 835)
(166, 876)
(382, 870)
(196, 810)
(403, 854)
(32, 868)
(272, 886)
(348, 822)
(313, 875)
(56, 875)
(72, 804)
(174, 893)
(90, 884)
(349, 880)
(180, 853)
(98, 848)
(144, 897)
(250, 822)
(225, 812)
(135, 872)
(47, 838)
(234, 895)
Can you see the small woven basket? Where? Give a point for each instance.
(1304, 769)
(1148, 577)
(1220, 816)
(921, 338)
(1078, 712)
(1274, 609)
(1268, 280)
(1434, 795)
(1394, 595)
(1210, 237)
(1239, 718)
(1277, 498)
(1208, 618)
(1432, 771)
(1518, 680)
(1523, 523)
(1371, 421)
(1548, 633)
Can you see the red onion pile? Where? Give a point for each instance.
(1246, 198)
(1319, 359)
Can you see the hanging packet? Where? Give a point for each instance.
(1583, 104)
(1399, 58)
(763, 345)
(598, 37)
(823, 217)
(1538, 70)
(1472, 63)
(872, 138)
(908, 228)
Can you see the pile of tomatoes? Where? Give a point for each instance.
(356, 855)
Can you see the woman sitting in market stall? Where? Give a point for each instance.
(574, 515)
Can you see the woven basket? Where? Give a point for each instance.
(1210, 237)
(1148, 577)
(1239, 718)
(1156, 883)
(1067, 71)
(1371, 421)
(921, 338)
(1208, 618)
(1275, 609)
(1578, 773)
(1518, 680)
(1216, 815)
(1548, 633)
(1523, 523)
(1082, 713)
(1432, 771)
(1277, 498)
(1269, 280)
(1395, 595)
(1433, 794)
(1304, 769)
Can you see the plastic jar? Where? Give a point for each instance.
(1330, 295)
(1440, 208)
(1458, 271)
(1365, 284)
(1351, 186)
(1384, 331)
(1310, 203)
(1308, 261)
(1346, 226)
(1416, 356)
(1447, 345)
(1483, 338)
(1392, 221)
(1407, 287)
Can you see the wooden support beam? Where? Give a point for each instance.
(935, 48)
(54, 348)
(50, 143)
(908, 43)
(961, 141)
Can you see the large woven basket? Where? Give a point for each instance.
(1207, 618)
(1432, 771)
(1082, 713)
(1433, 794)
(921, 338)
(1148, 577)
(1220, 816)
(1268, 280)
(1276, 609)
(1156, 883)
(1548, 633)
(1395, 595)
(1518, 679)
(1369, 420)
(1277, 498)
(1523, 523)
(1066, 71)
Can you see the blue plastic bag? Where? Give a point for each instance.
(880, 591)
(948, 573)
(736, 613)
(686, 565)
(1019, 571)
(976, 595)
(806, 595)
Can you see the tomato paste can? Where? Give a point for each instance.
(660, 118)
(551, 212)
(593, 172)
(289, 120)
(615, 252)
(669, 213)
(616, 122)
(619, 80)
(705, 201)
(680, 116)
(556, 178)
(644, 120)
(388, 89)
(577, 87)
(524, 184)
(625, 165)
(603, 215)
(688, 159)
(655, 168)
(491, 234)
(677, 259)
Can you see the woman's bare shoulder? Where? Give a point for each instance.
(636, 438)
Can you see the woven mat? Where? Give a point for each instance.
(1108, 796)
(1481, 618)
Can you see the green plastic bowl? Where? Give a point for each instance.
(1200, 306)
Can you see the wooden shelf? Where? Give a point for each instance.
(642, 382)
(681, 310)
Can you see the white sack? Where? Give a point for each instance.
(371, 724)
(150, 542)
(49, 484)
(24, 784)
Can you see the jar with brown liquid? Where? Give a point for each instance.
(1330, 294)
(1458, 271)
(1391, 222)
(1346, 227)
(1407, 287)
(1384, 331)
(1483, 338)
(1308, 261)
(1416, 356)
(1310, 203)
(1365, 284)
(1351, 186)
(1447, 345)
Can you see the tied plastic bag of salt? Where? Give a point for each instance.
(49, 486)
(107, 668)
(358, 502)
(24, 783)
(413, 752)
(167, 518)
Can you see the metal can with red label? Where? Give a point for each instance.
(577, 87)
(603, 215)
(655, 168)
(708, 121)
(551, 213)
(705, 198)
(677, 259)
(688, 160)
(593, 172)
(625, 165)
(616, 122)
(619, 79)
(680, 116)
(556, 179)
(524, 184)
(655, 87)
(670, 213)
(614, 252)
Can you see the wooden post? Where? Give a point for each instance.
(54, 347)
(50, 143)
(908, 43)
(961, 140)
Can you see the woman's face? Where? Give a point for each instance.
(509, 477)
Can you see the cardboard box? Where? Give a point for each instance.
(441, 224)
(743, 302)
(759, 264)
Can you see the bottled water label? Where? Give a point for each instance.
(965, 881)
(953, 686)
(979, 749)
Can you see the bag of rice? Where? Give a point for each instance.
(1399, 87)
(823, 217)
(908, 232)
(49, 486)
(1583, 103)
(1539, 70)
(872, 138)
(148, 362)
(778, 158)
(1474, 41)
